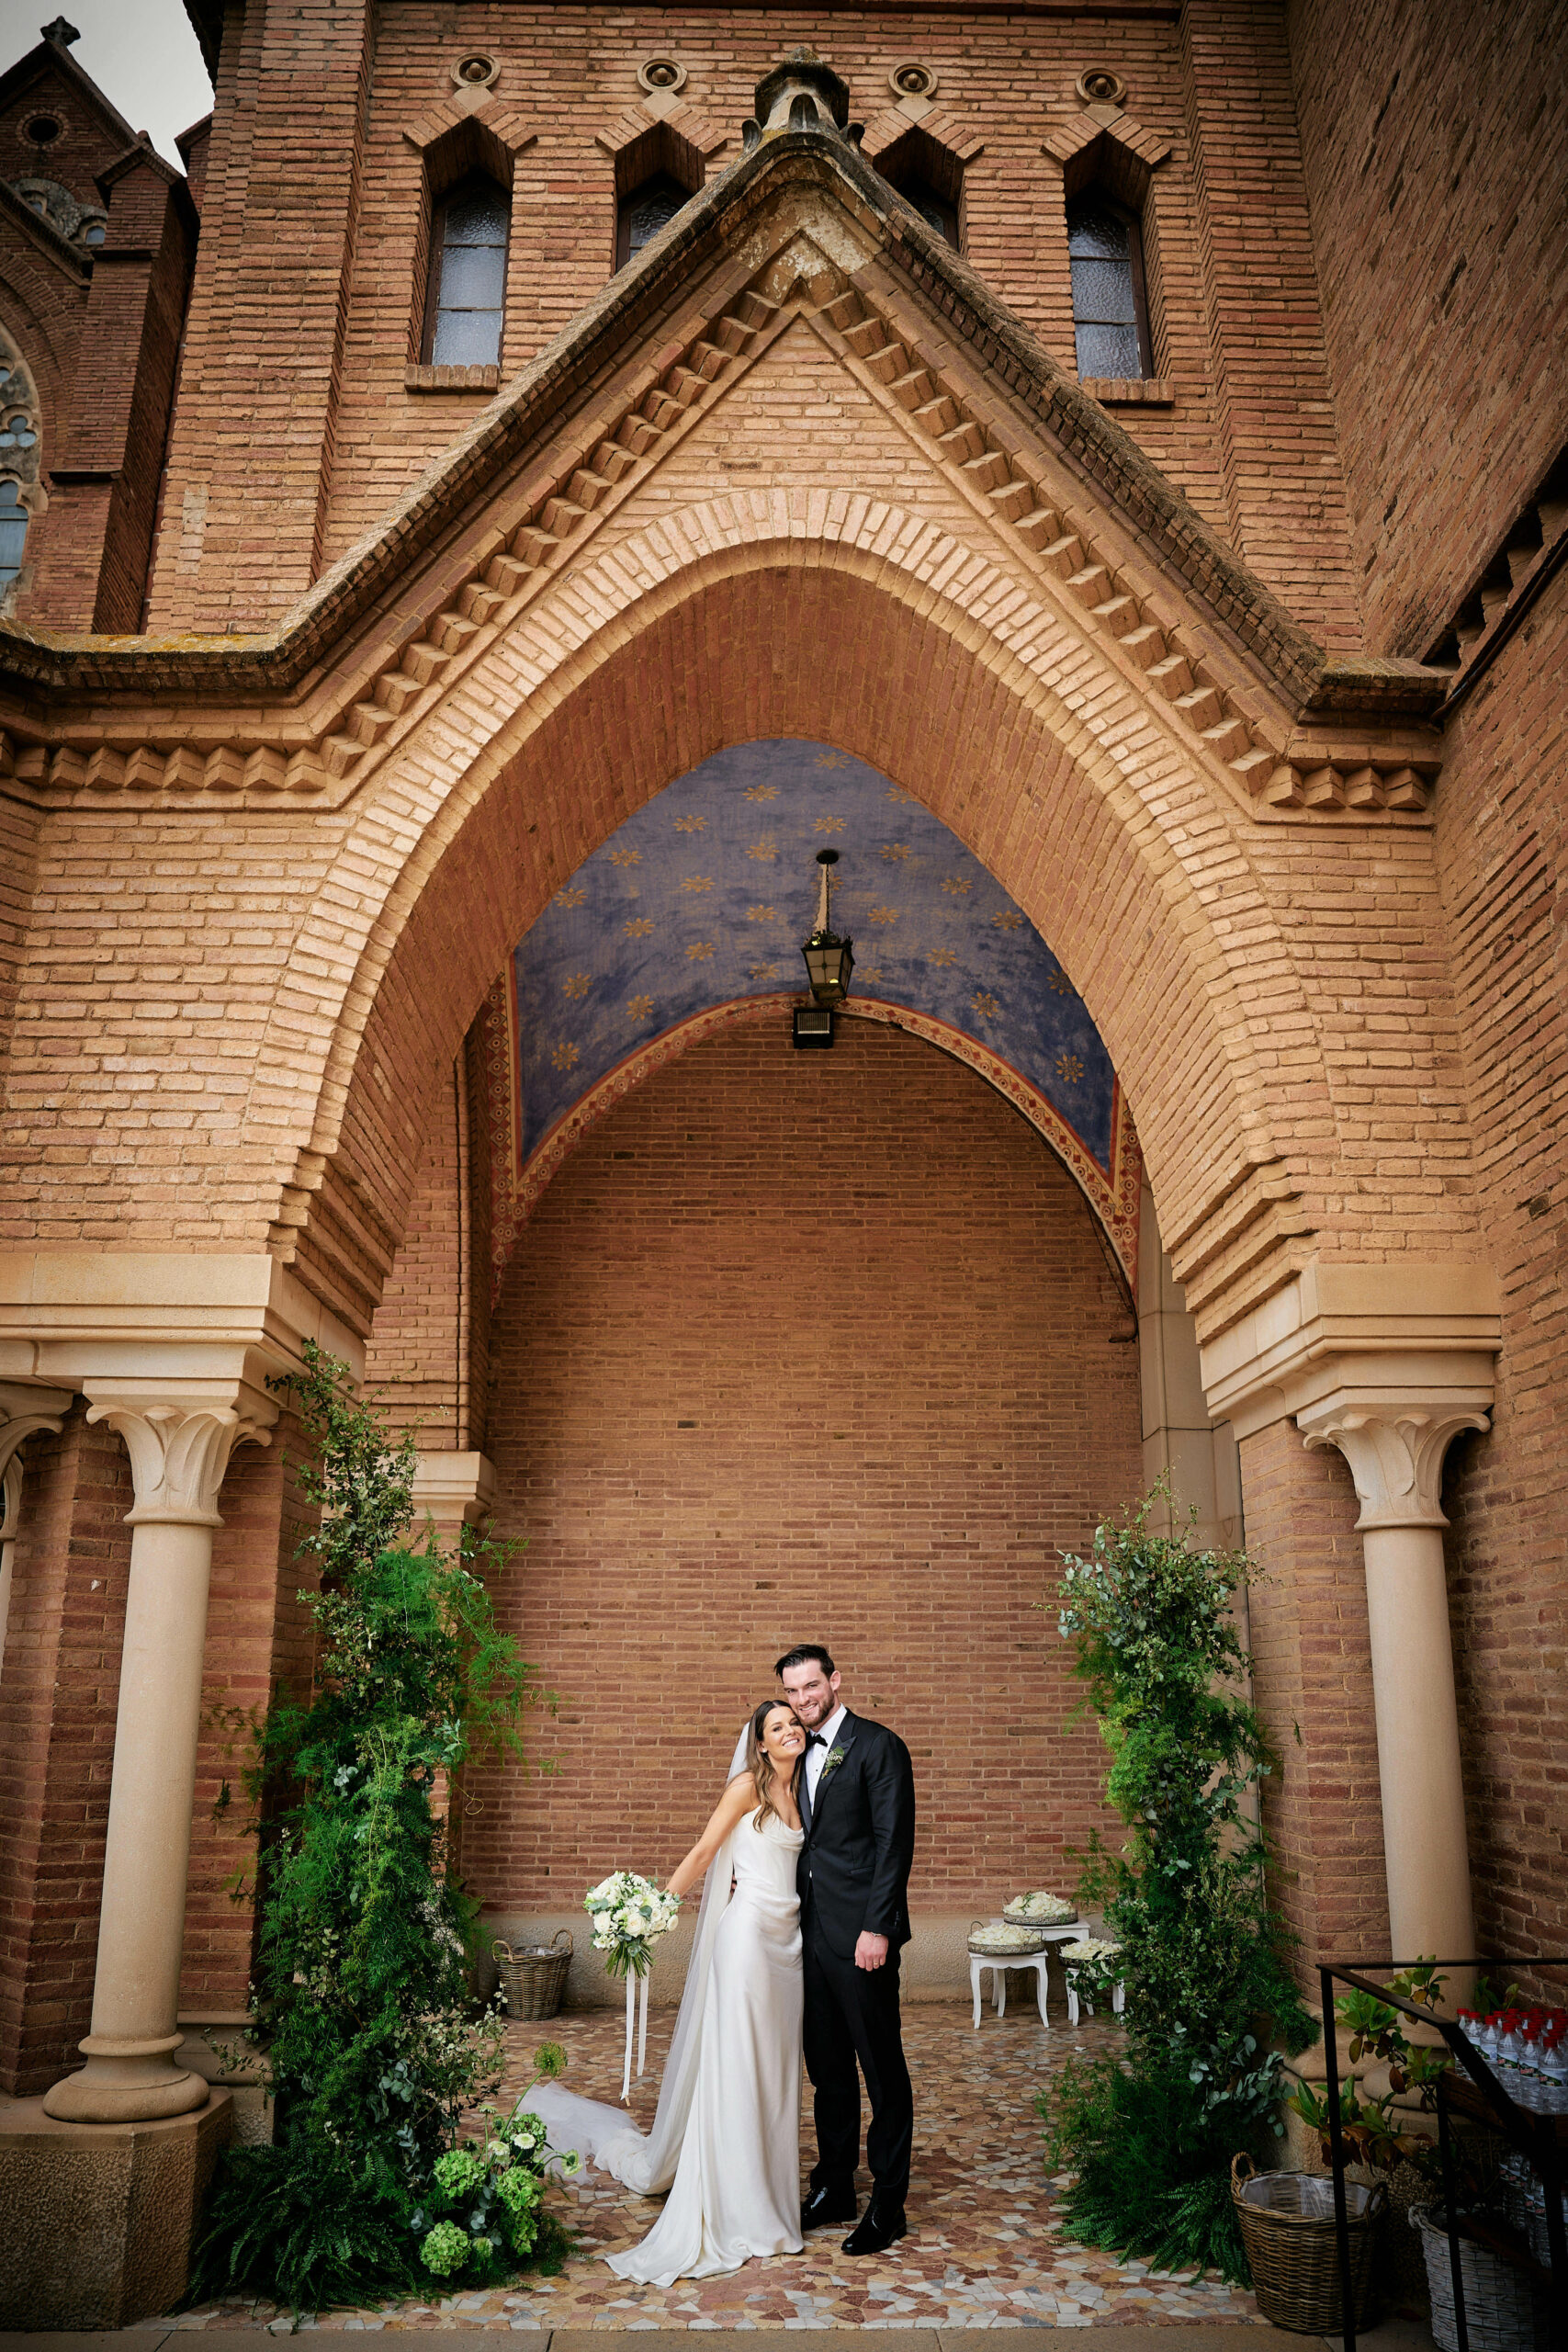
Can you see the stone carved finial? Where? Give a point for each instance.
(179, 1451)
(801, 92)
(62, 30)
(1395, 1451)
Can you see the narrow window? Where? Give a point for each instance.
(934, 209)
(1109, 307)
(468, 276)
(13, 532)
(644, 212)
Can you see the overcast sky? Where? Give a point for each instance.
(142, 53)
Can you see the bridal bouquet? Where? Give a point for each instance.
(629, 1914)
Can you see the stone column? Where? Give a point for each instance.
(179, 1434)
(1396, 1447)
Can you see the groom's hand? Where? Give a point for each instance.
(871, 1951)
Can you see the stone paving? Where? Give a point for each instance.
(985, 2248)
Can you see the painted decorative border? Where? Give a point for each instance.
(1112, 1193)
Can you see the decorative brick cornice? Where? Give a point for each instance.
(426, 532)
(939, 124)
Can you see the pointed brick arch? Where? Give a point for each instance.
(741, 619)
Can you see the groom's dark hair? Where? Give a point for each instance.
(803, 1653)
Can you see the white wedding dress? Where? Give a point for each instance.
(726, 2133)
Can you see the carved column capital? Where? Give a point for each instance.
(1396, 1447)
(179, 1437)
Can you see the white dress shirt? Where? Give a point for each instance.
(817, 1756)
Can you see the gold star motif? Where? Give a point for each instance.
(942, 956)
(760, 792)
(565, 1056)
(829, 825)
(1060, 982)
(640, 1007)
(626, 857)
(895, 852)
(956, 887)
(698, 882)
(762, 914)
(700, 951)
(766, 849)
(900, 797)
(576, 984)
(639, 927)
(1009, 920)
(690, 824)
(885, 914)
(1069, 1069)
(832, 760)
(985, 1005)
(571, 898)
(764, 971)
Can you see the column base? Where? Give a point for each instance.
(125, 2082)
(100, 2218)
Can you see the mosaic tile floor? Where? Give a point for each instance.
(984, 2248)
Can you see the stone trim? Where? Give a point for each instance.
(428, 377)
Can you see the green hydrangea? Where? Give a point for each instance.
(518, 2188)
(549, 2059)
(446, 2249)
(459, 2171)
(523, 2229)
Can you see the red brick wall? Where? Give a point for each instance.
(1312, 1681)
(881, 1303)
(1439, 181)
(58, 1698)
(258, 1639)
(1503, 832)
(1440, 195)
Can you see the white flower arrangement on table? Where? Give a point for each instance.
(1003, 1942)
(629, 1914)
(1093, 1960)
(1039, 1910)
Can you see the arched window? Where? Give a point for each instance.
(466, 300)
(644, 212)
(13, 532)
(1111, 314)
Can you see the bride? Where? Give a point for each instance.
(726, 2130)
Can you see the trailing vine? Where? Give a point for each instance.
(362, 1988)
(1148, 2137)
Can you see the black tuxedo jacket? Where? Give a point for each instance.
(854, 1871)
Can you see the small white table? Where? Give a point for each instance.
(999, 1963)
(1118, 2000)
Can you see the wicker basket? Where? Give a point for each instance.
(1505, 2310)
(1286, 2221)
(533, 1977)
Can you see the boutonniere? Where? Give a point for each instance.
(830, 1763)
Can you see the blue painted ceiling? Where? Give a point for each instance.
(703, 897)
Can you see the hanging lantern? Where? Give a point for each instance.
(830, 960)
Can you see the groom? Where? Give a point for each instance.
(858, 1809)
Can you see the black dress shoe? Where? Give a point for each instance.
(877, 2230)
(826, 2205)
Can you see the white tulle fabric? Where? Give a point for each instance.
(726, 2132)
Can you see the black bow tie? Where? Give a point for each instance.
(816, 1739)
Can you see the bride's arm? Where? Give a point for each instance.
(739, 1799)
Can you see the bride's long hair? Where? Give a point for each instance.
(760, 1764)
